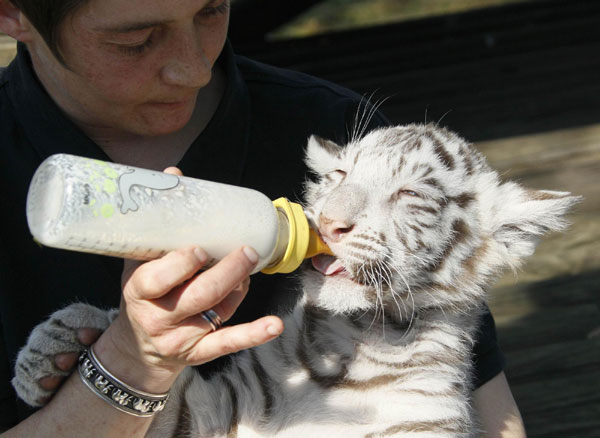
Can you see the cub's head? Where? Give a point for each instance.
(416, 218)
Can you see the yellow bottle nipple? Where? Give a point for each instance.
(303, 242)
(316, 245)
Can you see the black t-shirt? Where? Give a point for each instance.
(255, 139)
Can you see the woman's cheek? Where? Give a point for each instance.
(123, 82)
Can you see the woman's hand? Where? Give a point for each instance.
(160, 328)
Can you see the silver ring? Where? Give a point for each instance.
(211, 317)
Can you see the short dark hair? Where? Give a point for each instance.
(46, 16)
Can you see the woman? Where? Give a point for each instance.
(154, 83)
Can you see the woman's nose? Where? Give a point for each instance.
(188, 65)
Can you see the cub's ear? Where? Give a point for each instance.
(521, 215)
(322, 154)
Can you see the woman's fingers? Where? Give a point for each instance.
(227, 307)
(164, 301)
(232, 339)
(156, 278)
(212, 287)
(173, 171)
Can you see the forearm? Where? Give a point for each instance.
(497, 410)
(75, 409)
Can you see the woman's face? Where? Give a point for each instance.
(134, 66)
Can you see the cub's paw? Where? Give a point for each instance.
(53, 347)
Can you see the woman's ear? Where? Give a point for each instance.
(14, 23)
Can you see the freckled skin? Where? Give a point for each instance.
(149, 93)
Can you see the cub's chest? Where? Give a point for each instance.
(373, 394)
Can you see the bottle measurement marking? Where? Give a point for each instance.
(115, 249)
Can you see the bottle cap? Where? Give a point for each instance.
(303, 241)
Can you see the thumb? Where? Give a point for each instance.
(173, 171)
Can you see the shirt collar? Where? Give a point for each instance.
(217, 154)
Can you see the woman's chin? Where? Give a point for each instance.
(164, 118)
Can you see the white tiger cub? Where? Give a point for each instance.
(380, 343)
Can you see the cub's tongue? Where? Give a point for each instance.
(326, 264)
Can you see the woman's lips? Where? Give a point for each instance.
(327, 265)
(172, 104)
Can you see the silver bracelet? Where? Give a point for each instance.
(116, 393)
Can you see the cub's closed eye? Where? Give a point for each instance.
(409, 193)
(336, 174)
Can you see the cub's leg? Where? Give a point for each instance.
(36, 362)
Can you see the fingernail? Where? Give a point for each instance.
(250, 254)
(201, 255)
(273, 330)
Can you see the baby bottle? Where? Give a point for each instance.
(93, 206)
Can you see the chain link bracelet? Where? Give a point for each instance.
(116, 393)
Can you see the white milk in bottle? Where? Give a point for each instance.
(87, 205)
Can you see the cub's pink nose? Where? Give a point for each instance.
(334, 230)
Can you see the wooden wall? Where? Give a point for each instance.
(493, 73)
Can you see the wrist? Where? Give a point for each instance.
(127, 360)
(118, 394)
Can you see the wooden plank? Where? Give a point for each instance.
(566, 160)
(504, 71)
(553, 361)
(578, 421)
(251, 20)
(566, 406)
(492, 98)
(383, 60)
(561, 393)
(554, 293)
(8, 49)
(517, 332)
(525, 156)
(518, 27)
